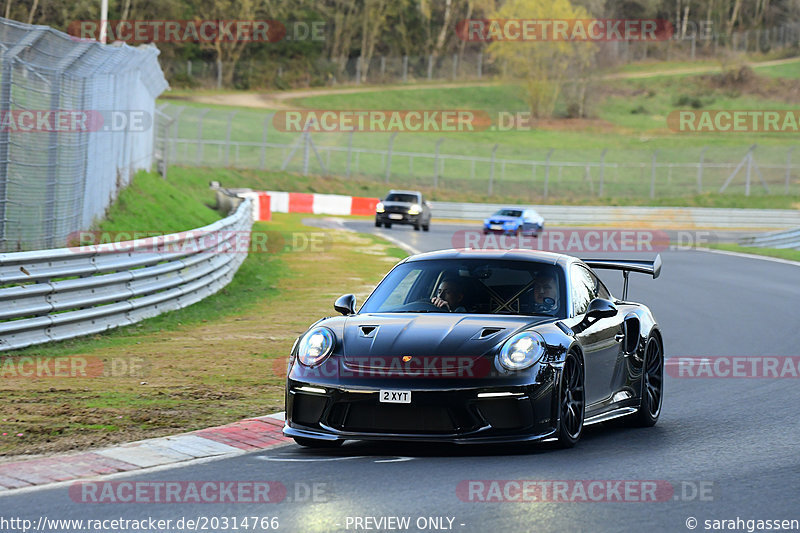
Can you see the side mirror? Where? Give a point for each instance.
(345, 304)
(600, 308)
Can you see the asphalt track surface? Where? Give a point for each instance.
(729, 447)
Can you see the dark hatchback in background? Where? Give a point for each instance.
(403, 207)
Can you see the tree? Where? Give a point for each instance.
(543, 64)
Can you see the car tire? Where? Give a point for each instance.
(317, 443)
(651, 397)
(377, 224)
(387, 225)
(571, 401)
(426, 227)
(417, 226)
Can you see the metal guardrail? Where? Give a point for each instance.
(52, 295)
(780, 239)
(667, 216)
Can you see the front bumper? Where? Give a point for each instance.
(457, 415)
(406, 218)
(512, 231)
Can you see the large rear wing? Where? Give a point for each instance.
(645, 267)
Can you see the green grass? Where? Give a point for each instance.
(792, 255)
(789, 71)
(151, 204)
(141, 207)
(630, 123)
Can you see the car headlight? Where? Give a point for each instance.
(522, 350)
(379, 208)
(315, 346)
(414, 209)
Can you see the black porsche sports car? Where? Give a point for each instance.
(475, 346)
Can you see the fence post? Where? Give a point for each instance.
(306, 150)
(383, 66)
(694, 44)
(200, 135)
(547, 171)
(430, 66)
(480, 65)
(788, 169)
(436, 163)
(653, 176)
(455, 66)
(748, 172)
(263, 161)
(349, 151)
(602, 171)
(165, 151)
(389, 156)
(700, 170)
(189, 68)
(228, 137)
(358, 70)
(174, 124)
(491, 169)
(405, 69)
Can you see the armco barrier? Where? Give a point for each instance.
(780, 239)
(661, 217)
(50, 295)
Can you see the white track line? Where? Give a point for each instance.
(751, 256)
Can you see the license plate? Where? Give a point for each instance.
(495, 226)
(394, 216)
(395, 396)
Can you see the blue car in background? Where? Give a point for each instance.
(514, 221)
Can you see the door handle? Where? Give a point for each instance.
(619, 337)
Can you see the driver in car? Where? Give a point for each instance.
(450, 295)
(545, 293)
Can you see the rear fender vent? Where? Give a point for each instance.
(485, 333)
(368, 331)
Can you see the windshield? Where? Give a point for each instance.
(408, 198)
(481, 286)
(509, 213)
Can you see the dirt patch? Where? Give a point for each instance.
(576, 124)
(744, 81)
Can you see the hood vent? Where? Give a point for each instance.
(368, 331)
(485, 333)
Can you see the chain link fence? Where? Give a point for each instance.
(76, 124)
(194, 136)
